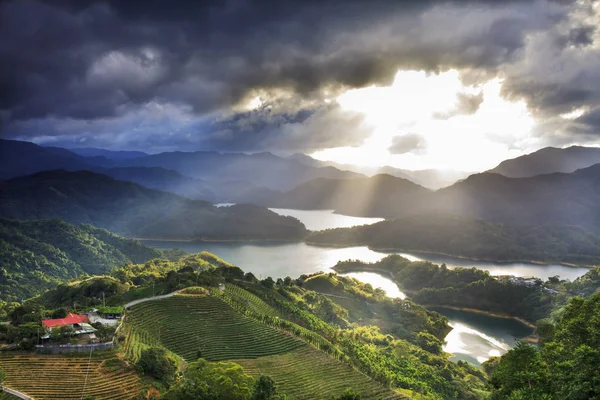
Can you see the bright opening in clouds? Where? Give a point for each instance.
(426, 120)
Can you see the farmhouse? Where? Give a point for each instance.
(78, 323)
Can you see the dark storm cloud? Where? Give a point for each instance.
(76, 61)
(83, 58)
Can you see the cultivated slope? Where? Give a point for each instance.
(59, 377)
(212, 328)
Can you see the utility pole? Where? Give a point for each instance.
(103, 300)
(152, 288)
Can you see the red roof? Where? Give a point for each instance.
(70, 319)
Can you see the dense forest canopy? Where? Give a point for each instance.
(37, 255)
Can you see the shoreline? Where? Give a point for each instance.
(483, 312)
(383, 250)
(218, 240)
(392, 250)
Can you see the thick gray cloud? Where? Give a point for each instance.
(76, 64)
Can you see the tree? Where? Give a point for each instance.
(268, 283)
(544, 328)
(212, 381)
(265, 389)
(156, 362)
(518, 370)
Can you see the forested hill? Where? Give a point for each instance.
(129, 209)
(36, 255)
(474, 238)
(559, 199)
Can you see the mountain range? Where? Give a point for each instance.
(430, 178)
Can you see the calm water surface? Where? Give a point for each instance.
(317, 220)
(279, 260)
(477, 337)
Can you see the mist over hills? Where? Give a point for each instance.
(381, 196)
(132, 210)
(109, 154)
(261, 169)
(429, 178)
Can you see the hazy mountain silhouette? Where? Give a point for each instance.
(379, 196)
(430, 178)
(109, 154)
(549, 160)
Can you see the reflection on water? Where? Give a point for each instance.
(378, 282)
(317, 220)
(476, 337)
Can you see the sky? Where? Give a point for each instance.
(414, 84)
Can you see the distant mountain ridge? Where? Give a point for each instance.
(132, 210)
(250, 171)
(549, 160)
(261, 169)
(172, 181)
(23, 158)
(109, 154)
(429, 178)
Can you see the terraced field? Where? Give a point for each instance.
(251, 301)
(188, 324)
(57, 377)
(310, 374)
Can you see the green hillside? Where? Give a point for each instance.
(312, 345)
(36, 255)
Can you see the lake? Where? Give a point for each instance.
(279, 260)
(318, 220)
(476, 337)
